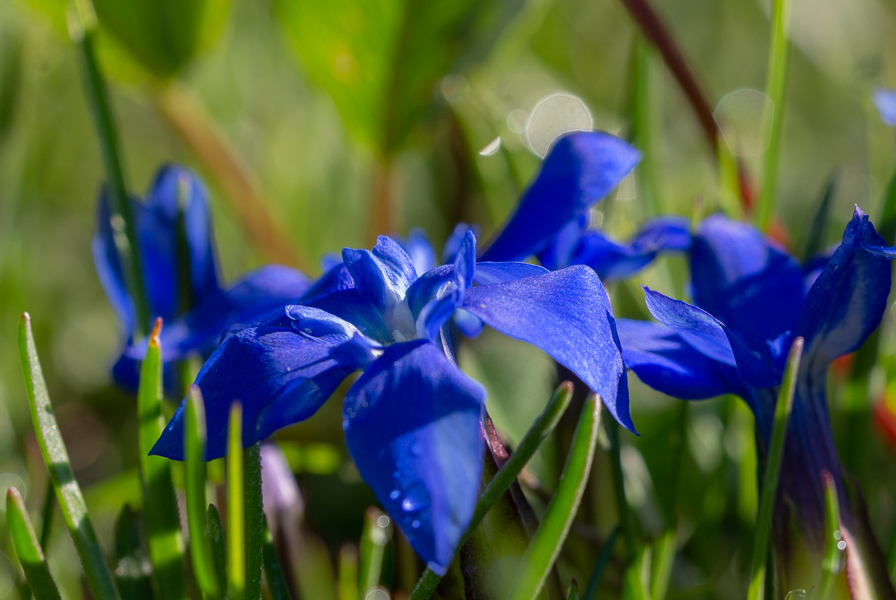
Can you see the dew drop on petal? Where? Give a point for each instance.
(394, 495)
(414, 499)
(415, 524)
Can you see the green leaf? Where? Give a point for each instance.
(381, 60)
(68, 493)
(634, 581)
(663, 558)
(133, 569)
(162, 36)
(832, 564)
(548, 540)
(214, 536)
(348, 572)
(538, 433)
(573, 592)
(606, 553)
(772, 470)
(28, 550)
(194, 451)
(236, 510)
(160, 512)
(376, 534)
(273, 572)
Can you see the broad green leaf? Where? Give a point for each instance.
(382, 60)
(68, 493)
(194, 449)
(133, 568)
(162, 36)
(160, 512)
(548, 540)
(28, 550)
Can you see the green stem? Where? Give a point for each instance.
(82, 26)
(834, 544)
(776, 89)
(772, 471)
(606, 553)
(236, 510)
(254, 520)
(625, 522)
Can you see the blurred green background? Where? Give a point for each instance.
(354, 118)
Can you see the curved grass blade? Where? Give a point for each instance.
(772, 470)
(832, 564)
(160, 513)
(133, 569)
(548, 540)
(68, 493)
(634, 585)
(194, 453)
(348, 573)
(236, 509)
(28, 550)
(253, 519)
(661, 564)
(573, 592)
(377, 533)
(214, 537)
(46, 516)
(538, 433)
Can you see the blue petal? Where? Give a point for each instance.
(559, 253)
(412, 426)
(258, 293)
(712, 338)
(489, 273)
(745, 280)
(468, 324)
(455, 240)
(664, 360)
(581, 169)
(567, 314)
(465, 262)
(336, 278)
(108, 265)
(849, 297)
(351, 306)
(279, 376)
(418, 247)
(885, 102)
(432, 285)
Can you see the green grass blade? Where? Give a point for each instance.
(634, 586)
(376, 534)
(573, 592)
(160, 512)
(194, 451)
(214, 538)
(661, 564)
(254, 527)
(548, 540)
(28, 550)
(273, 572)
(606, 553)
(625, 521)
(537, 434)
(348, 573)
(776, 89)
(82, 28)
(46, 516)
(832, 564)
(236, 509)
(772, 470)
(133, 569)
(68, 493)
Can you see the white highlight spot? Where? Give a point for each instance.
(745, 118)
(492, 147)
(554, 116)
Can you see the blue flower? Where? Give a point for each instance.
(885, 102)
(412, 419)
(175, 212)
(752, 299)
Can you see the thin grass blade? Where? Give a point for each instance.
(133, 569)
(253, 519)
(772, 471)
(832, 565)
(548, 540)
(348, 573)
(634, 585)
(68, 493)
(537, 434)
(573, 592)
(606, 553)
(214, 537)
(273, 572)
(663, 558)
(28, 550)
(160, 512)
(376, 534)
(236, 509)
(195, 475)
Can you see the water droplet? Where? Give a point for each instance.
(415, 524)
(394, 495)
(308, 330)
(383, 521)
(797, 594)
(841, 545)
(492, 147)
(838, 535)
(554, 116)
(414, 499)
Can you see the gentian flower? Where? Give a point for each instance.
(752, 300)
(885, 102)
(179, 271)
(412, 420)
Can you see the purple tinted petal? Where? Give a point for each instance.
(412, 426)
(745, 280)
(567, 314)
(849, 297)
(712, 338)
(885, 102)
(489, 273)
(581, 169)
(279, 376)
(665, 361)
